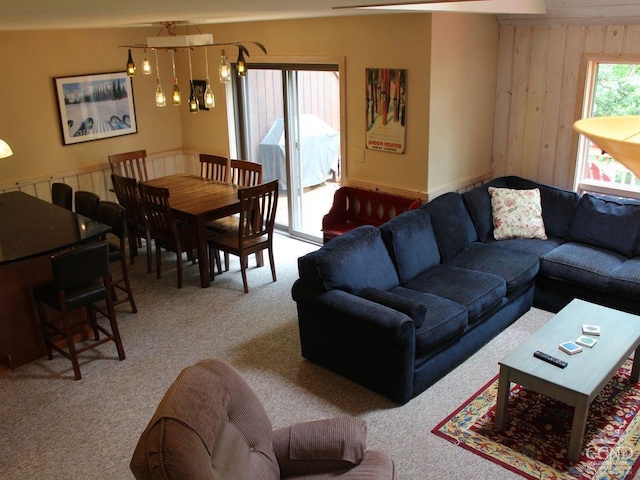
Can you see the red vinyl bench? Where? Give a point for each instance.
(353, 207)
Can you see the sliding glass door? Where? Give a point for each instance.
(289, 121)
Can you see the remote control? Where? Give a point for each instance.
(549, 359)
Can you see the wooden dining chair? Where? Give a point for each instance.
(245, 173)
(87, 204)
(214, 167)
(81, 279)
(255, 233)
(130, 164)
(138, 228)
(62, 195)
(114, 215)
(166, 232)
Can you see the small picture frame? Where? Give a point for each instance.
(200, 86)
(96, 106)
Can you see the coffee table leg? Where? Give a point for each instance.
(635, 370)
(502, 401)
(577, 429)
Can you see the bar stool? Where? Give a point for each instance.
(62, 195)
(80, 279)
(87, 204)
(114, 215)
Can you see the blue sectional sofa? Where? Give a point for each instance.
(397, 307)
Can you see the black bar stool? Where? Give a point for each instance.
(80, 279)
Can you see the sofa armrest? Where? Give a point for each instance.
(371, 344)
(320, 446)
(415, 310)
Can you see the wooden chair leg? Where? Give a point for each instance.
(243, 268)
(46, 335)
(158, 261)
(71, 347)
(179, 262)
(273, 264)
(114, 330)
(149, 259)
(127, 284)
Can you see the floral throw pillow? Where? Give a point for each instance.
(516, 213)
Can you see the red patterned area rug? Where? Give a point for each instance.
(535, 439)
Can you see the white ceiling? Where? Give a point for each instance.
(58, 14)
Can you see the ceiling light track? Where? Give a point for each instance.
(173, 43)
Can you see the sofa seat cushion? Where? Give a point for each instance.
(444, 320)
(518, 269)
(611, 223)
(350, 262)
(437, 320)
(582, 265)
(478, 292)
(411, 243)
(533, 246)
(625, 280)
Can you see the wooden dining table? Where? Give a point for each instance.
(198, 200)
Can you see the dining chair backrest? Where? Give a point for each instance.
(214, 167)
(80, 266)
(62, 195)
(130, 164)
(126, 190)
(257, 210)
(87, 204)
(245, 173)
(156, 206)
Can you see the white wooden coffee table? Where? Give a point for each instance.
(587, 372)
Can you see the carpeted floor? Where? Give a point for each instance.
(56, 428)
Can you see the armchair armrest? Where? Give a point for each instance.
(320, 446)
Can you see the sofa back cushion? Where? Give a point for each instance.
(612, 223)
(557, 204)
(411, 243)
(350, 262)
(453, 228)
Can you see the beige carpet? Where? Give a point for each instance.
(56, 428)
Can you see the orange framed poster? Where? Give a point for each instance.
(386, 93)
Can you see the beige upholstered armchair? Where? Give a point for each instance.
(211, 425)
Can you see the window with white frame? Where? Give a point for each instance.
(612, 88)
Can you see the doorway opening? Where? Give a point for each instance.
(289, 119)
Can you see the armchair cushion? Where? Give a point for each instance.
(320, 446)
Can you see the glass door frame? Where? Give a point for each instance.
(236, 113)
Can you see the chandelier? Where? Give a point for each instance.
(173, 43)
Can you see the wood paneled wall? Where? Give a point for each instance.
(539, 95)
(98, 179)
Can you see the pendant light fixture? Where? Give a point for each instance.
(170, 41)
(161, 99)
(146, 66)
(209, 99)
(241, 66)
(194, 105)
(131, 67)
(175, 97)
(224, 70)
